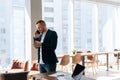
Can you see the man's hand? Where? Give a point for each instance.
(37, 44)
(36, 35)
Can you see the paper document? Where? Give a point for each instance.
(58, 74)
(62, 76)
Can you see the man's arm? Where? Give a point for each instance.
(36, 38)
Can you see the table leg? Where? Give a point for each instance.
(118, 61)
(83, 63)
(107, 62)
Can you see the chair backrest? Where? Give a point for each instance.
(90, 57)
(65, 60)
(88, 51)
(77, 58)
(35, 66)
(14, 76)
(79, 52)
(115, 55)
(17, 64)
(115, 49)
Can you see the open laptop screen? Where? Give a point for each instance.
(78, 71)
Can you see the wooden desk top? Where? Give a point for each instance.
(11, 71)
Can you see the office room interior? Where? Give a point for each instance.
(81, 25)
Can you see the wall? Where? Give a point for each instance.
(36, 14)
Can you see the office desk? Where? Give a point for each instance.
(14, 76)
(46, 76)
(96, 54)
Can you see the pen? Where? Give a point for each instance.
(60, 75)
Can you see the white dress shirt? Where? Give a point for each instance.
(42, 39)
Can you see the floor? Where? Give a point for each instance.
(102, 74)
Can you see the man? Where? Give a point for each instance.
(45, 40)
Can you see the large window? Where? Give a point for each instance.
(106, 27)
(12, 31)
(85, 25)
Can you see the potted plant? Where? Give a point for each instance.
(74, 51)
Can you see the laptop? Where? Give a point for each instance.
(78, 72)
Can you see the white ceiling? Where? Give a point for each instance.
(115, 2)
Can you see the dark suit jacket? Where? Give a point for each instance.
(48, 47)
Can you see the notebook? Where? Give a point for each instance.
(78, 72)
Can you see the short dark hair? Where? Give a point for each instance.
(41, 21)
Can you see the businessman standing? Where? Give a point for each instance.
(45, 40)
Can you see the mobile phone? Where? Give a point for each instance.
(37, 32)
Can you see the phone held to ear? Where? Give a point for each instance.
(37, 32)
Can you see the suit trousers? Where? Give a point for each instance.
(47, 68)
